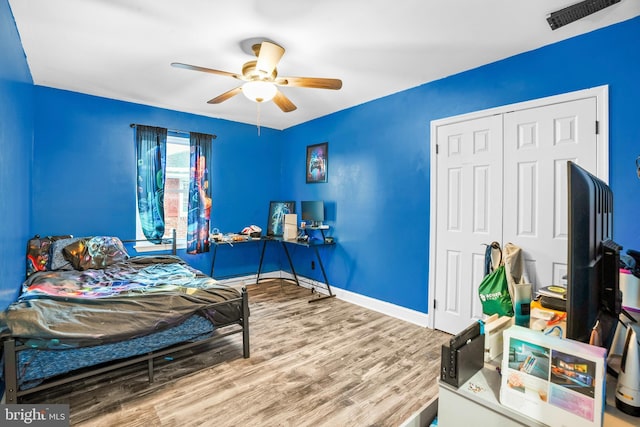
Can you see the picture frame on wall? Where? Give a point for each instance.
(317, 163)
(277, 211)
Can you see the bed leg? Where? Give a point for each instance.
(150, 368)
(10, 373)
(245, 323)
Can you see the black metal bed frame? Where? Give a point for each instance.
(11, 347)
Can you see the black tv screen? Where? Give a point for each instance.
(592, 261)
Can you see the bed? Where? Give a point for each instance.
(86, 308)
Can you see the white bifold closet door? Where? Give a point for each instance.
(538, 142)
(469, 214)
(503, 178)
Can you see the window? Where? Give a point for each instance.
(176, 194)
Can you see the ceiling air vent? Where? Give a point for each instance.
(577, 11)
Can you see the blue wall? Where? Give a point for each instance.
(16, 143)
(378, 189)
(84, 168)
(379, 156)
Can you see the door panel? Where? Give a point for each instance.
(469, 173)
(537, 144)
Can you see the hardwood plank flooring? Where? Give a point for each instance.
(328, 363)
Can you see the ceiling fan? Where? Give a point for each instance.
(261, 79)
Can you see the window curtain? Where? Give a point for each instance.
(151, 149)
(199, 193)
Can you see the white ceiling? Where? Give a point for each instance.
(122, 49)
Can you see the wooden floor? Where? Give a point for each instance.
(328, 363)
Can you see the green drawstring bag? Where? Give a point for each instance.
(494, 293)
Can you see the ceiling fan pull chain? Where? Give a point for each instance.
(258, 120)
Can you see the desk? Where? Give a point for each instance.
(315, 244)
(231, 243)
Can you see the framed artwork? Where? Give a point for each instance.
(277, 211)
(317, 162)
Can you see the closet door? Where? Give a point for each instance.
(469, 215)
(501, 175)
(538, 142)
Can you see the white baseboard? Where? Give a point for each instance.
(402, 313)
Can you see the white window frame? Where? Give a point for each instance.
(181, 243)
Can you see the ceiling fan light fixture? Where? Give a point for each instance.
(259, 91)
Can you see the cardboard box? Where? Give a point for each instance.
(290, 232)
(290, 227)
(493, 328)
(291, 219)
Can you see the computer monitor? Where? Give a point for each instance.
(313, 212)
(593, 293)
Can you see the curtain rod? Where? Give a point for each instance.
(175, 130)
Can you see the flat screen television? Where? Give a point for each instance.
(277, 211)
(593, 293)
(313, 212)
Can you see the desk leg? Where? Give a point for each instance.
(264, 246)
(213, 259)
(324, 275)
(293, 270)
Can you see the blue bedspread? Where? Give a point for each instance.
(36, 365)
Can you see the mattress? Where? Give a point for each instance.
(126, 300)
(73, 319)
(37, 365)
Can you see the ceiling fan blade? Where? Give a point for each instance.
(206, 70)
(268, 57)
(283, 102)
(228, 94)
(313, 82)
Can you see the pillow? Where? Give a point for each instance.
(38, 254)
(95, 252)
(58, 261)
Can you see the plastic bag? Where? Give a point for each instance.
(494, 293)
